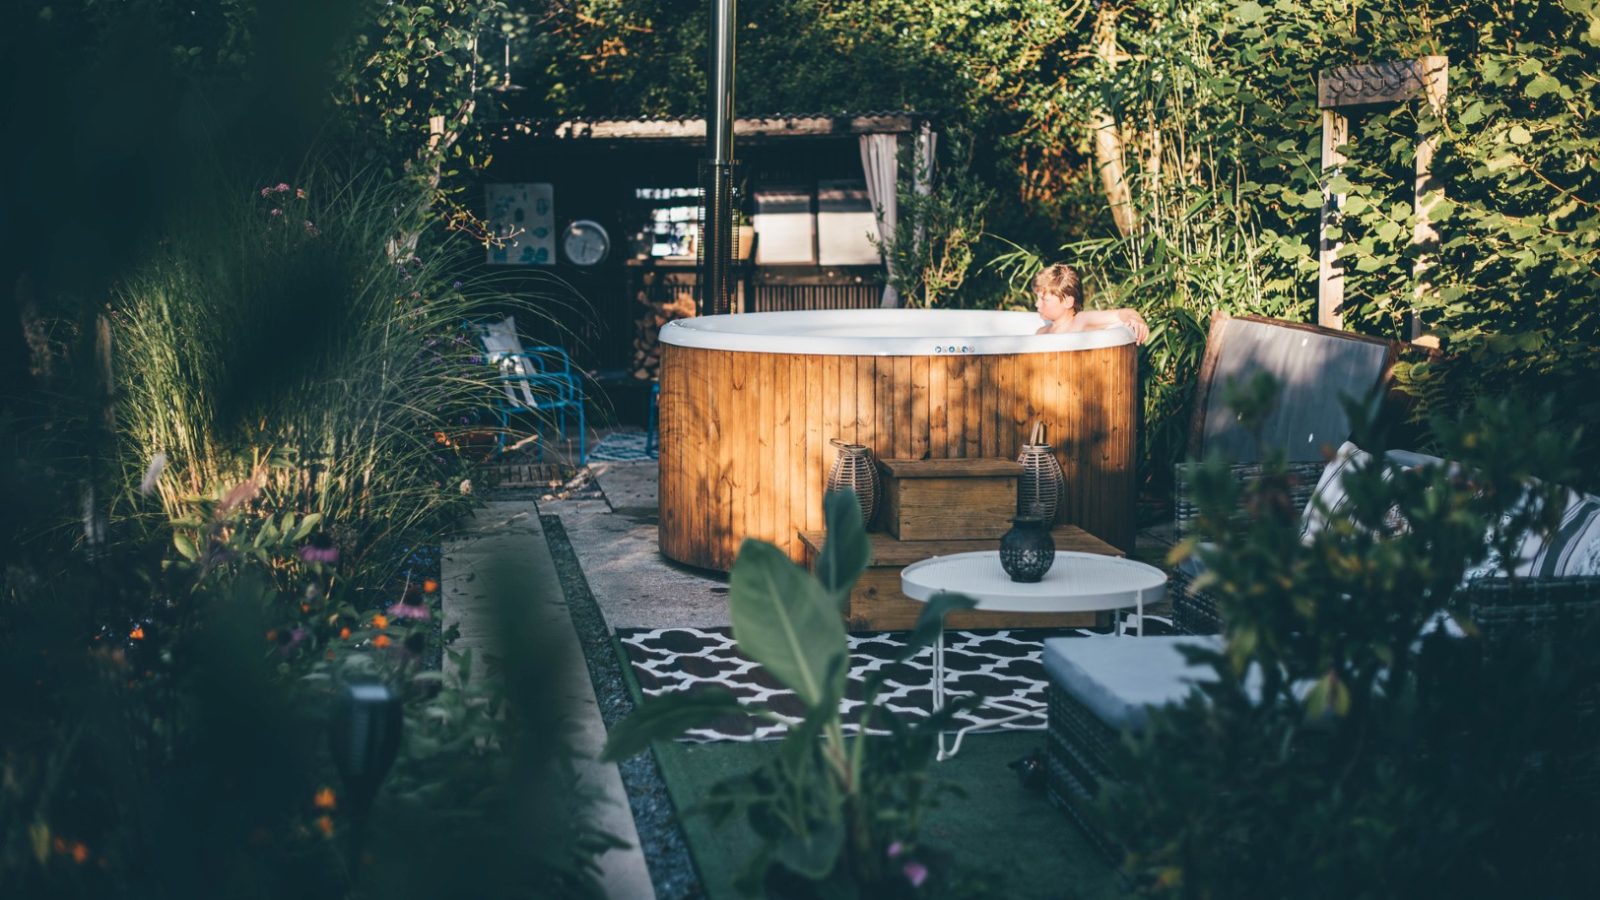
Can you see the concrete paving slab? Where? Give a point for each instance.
(629, 486)
(616, 543)
(502, 552)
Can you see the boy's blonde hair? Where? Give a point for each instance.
(1062, 280)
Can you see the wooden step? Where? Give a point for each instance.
(944, 499)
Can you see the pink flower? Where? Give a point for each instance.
(282, 188)
(895, 849)
(265, 191)
(915, 872)
(277, 212)
(296, 636)
(410, 611)
(312, 553)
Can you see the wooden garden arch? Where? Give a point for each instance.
(1395, 81)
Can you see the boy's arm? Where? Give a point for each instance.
(1107, 318)
(1101, 318)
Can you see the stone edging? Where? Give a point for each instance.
(666, 849)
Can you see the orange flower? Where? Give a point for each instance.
(305, 607)
(381, 641)
(324, 799)
(380, 621)
(272, 635)
(429, 586)
(137, 634)
(344, 634)
(325, 824)
(80, 853)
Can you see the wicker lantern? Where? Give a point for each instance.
(1039, 488)
(854, 468)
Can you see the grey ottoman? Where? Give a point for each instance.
(1101, 687)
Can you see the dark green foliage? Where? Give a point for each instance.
(1338, 753)
(183, 752)
(168, 657)
(942, 214)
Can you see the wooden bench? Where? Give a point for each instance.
(876, 603)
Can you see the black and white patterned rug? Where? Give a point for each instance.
(996, 664)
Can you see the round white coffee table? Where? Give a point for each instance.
(1077, 582)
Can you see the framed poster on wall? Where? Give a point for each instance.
(522, 218)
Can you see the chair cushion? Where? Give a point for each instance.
(1330, 486)
(501, 343)
(1120, 678)
(1573, 547)
(1314, 369)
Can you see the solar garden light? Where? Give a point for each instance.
(364, 736)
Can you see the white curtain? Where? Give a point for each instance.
(922, 178)
(880, 163)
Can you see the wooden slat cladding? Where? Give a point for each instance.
(744, 436)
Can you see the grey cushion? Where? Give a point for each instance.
(1191, 566)
(1313, 370)
(1120, 678)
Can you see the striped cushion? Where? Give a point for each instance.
(1573, 548)
(1329, 497)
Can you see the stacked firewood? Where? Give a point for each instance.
(671, 299)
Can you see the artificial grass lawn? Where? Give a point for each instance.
(1027, 847)
(1023, 845)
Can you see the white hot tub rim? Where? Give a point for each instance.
(883, 332)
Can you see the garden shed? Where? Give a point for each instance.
(598, 219)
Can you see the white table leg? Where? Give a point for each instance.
(961, 733)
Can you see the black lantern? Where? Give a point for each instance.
(1027, 551)
(365, 737)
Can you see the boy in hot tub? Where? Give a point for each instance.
(1057, 293)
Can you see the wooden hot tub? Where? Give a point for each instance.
(748, 403)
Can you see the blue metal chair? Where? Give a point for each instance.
(539, 381)
(652, 428)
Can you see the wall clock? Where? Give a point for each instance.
(585, 242)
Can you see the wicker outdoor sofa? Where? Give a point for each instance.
(1101, 688)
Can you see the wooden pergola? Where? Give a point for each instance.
(1375, 84)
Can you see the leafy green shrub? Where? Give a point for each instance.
(837, 817)
(1346, 750)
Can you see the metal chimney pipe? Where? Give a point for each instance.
(717, 253)
(719, 122)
